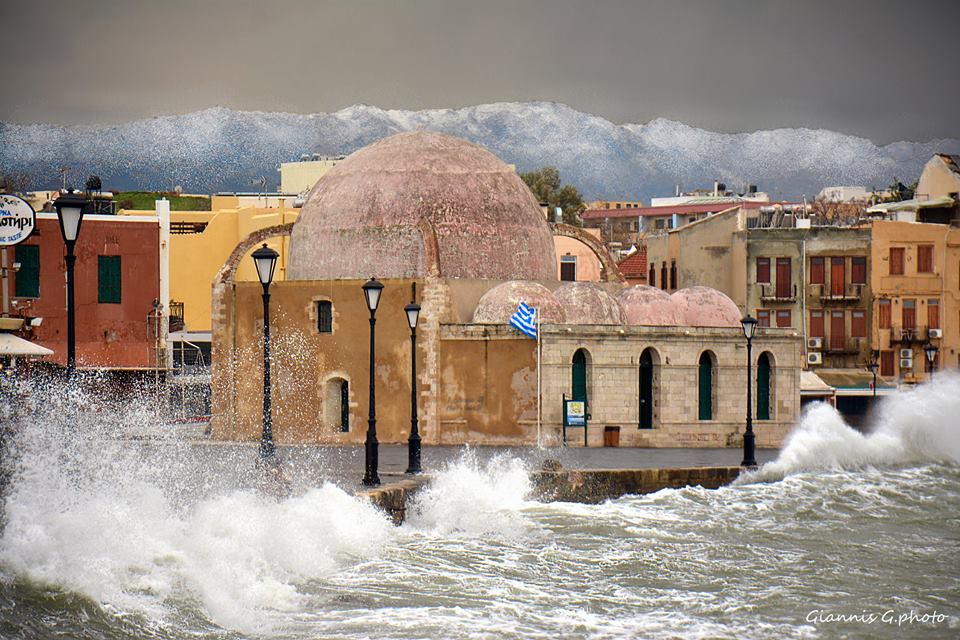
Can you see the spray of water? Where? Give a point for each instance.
(917, 426)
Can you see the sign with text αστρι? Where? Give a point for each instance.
(17, 220)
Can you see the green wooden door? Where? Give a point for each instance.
(763, 387)
(706, 387)
(580, 376)
(646, 390)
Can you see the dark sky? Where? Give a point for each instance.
(887, 70)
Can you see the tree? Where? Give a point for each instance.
(545, 185)
(94, 183)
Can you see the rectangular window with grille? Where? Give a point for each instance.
(568, 268)
(896, 261)
(763, 317)
(325, 316)
(784, 318)
(884, 314)
(925, 258)
(816, 270)
(763, 270)
(28, 276)
(108, 279)
(858, 275)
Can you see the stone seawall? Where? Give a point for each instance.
(569, 485)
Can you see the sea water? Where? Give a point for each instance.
(844, 535)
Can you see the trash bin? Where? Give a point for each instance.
(611, 436)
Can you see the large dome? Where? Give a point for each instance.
(706, 307)
(646, 305)
(588, 303)
(498, 304)
(364, 217)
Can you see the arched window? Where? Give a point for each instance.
(579, 375)
(663, 276)
(649, 381)
(705, 385)
(653, 275)
(764, 385)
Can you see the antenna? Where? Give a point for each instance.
(63, 171)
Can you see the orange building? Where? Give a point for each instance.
(117, 278)
(916, 291)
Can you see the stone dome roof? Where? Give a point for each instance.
(588, 303)
(646, 305)
(706, 307)
(365, 216)
(498, 304)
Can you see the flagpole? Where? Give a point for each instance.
(539, 413)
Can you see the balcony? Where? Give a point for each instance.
(847, 346)
(770, 293)
(905, 335)
(851, 293)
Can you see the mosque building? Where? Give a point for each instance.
(445, 223)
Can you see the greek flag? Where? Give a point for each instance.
(525, 320)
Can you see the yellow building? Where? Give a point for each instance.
(916, 290)
(597, 205)
(298, 177)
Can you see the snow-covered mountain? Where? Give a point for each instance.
(224, 150)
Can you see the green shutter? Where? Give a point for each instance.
(108, 280)
(28, 276)
(706, 387)
(763, 387)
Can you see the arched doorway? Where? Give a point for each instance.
(764, 378)
(579, 375)
(648, 362)
(705, 382)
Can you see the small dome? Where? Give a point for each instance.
(646, 305)
(706, 307)
(498, 304)
(368, 215)
(588, 303)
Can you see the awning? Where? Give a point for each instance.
(850, 382)
(912, 205)
(11, 345)
(811, 386)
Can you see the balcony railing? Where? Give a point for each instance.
(851, 293)
(770, 293)
(904, 334)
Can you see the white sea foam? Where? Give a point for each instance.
(471, 498)
(920, 425)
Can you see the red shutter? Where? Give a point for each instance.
(816, 270)
(925, 258)
(763, 317)
(886, 363)
(896, 261)
(763, 270)
(933, 314)
(784, 281)
(816, 324)
(859, 271)
(909, 314)
(858, 324)
(837, 330)
(784, 319)
(884, 316)
(838, 277)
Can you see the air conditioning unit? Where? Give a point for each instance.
(906, 354)
(935, 333)
(814, 343)
(906, 363)
(815, 358)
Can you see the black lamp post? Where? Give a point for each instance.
(265, 260)
(872, 368)
(371, 291)
(931, 350)
(413, 444)
(749, 439)
(69, 208)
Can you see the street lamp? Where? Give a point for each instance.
(749, 325)
(69, 208)
(371, 291)
(265, 260)
(931, 350)
(413, 444)
(872, 368)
